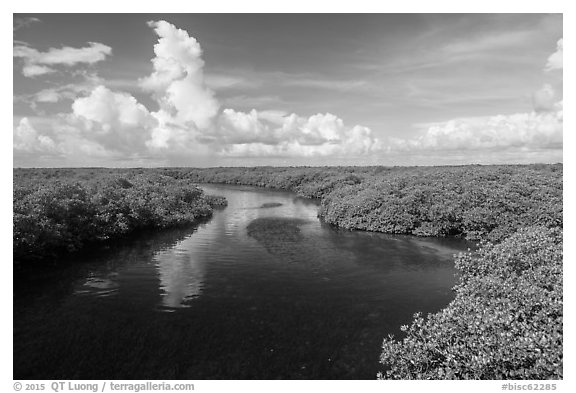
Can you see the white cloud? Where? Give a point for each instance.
(488, 42)
(532, 132)
(187, 122)
(69, 91)
(544, 100)
(36, 63)
(273, 133)
(111, 109)
(32, 70)
(47, 95)
(523, 130)
(108, 124)
(246, 101)
(26, 139)
(224, 81)
(273, 116)
(20, 22)
(169, 138)
(337, 85)
(69, 56)
(177, 81)
(115, 120)
(555, 61)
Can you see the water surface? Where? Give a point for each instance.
(263, 290)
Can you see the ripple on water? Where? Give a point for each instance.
(97, 287)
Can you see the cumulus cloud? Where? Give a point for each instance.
(104, 121)
(177, 81)
(169, 138)
(273, 133)
(114, 119)
(107, 123)
(523, 130)
(39, 63)
(26, 139)
(111, 109)
(555, 61)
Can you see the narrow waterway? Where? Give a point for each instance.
(263, 290)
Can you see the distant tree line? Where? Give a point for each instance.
(476, 202)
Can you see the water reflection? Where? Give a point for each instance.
(181, 275)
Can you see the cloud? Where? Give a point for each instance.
(245, 101)
(487, 42)
(20, 22)
(108, 124)
(104, 122)
(545, 100)
(541, 129)
(555, 61)
(316, 83)
(47, 95)
(27, 140)
(110, 109)
(116, 120)
(224, 82)
(177, 81)
(523, 130)
(273, 116)
(57, 94)
(274, 133)
(36, 63)
(32, 70)
(70, 91)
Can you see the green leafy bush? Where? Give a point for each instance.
(505, 322)
(57, 213)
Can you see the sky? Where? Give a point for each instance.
(146, 90)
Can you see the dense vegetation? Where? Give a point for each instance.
(506, 319)
(505, 322)
(60, 211)
(478, 202)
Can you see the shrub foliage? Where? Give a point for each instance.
(54, 215)
(505, 322)
(476, 202)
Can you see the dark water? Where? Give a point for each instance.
(261, 291)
